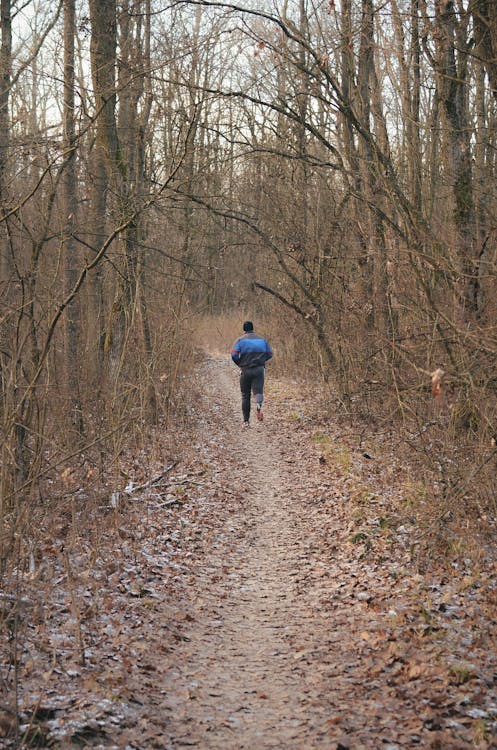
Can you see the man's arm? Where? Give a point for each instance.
(235, 353)
(269, 353)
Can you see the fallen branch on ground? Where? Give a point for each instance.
(130, 490)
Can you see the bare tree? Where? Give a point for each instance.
(485, 24)
(5, 84)
(69, 207)
(451, 34)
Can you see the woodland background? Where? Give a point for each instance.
(168, 169)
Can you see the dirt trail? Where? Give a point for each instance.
(265, 597)
(243, 680)
(291, 644)
(310, 625)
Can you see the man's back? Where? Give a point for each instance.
(250, 350)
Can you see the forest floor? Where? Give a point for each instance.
(265, 593)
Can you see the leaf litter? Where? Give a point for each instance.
(265, 592)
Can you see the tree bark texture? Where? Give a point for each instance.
(69, 214)
(451, 64)
(5, 82)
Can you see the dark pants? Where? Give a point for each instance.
(251, 381)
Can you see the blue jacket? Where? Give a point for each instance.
(251, 350)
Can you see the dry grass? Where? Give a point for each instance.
(215, 334)
(69, 474)
(295, 355)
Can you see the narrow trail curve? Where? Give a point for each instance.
(245, 679)
(265, 596)
(291, 637)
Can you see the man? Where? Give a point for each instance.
(250, 353)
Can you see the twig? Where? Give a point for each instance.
(459, 494)
(169, 503)
(76, 610)
(151, 482)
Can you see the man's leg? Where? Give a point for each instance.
(245, 387)
(258, 390)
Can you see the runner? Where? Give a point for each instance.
(250, 353)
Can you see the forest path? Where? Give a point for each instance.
(289, 641)
(245, 678)
(264, 594)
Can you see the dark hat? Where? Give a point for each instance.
(248, 326)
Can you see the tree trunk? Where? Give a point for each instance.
(377, 279)
(485, 27)
(452, 86)
(191, 117)
(98, 210)
(103, 59)
(5, 79)
(69, 214)
(413, 120)
(103, 46)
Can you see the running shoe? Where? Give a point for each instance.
(260, 415)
